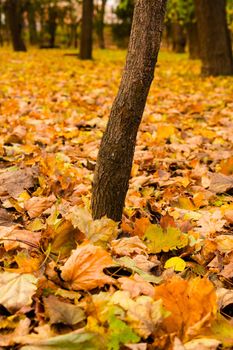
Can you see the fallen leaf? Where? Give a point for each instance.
(143, 314)
(128, 246)
(176, 263)
(61, 312)
(220, 183)
(136, 286)
(35, 206)
(84, 268)
(192, 305)
(158, 240)
(16, 290)
(14, 181)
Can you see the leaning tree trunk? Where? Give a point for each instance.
(15, 21)
(214, 37)
(86, 30)
(116, 152)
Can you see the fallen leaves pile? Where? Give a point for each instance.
(161, 279)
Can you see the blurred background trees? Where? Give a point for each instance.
(107, 23)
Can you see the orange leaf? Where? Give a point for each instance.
(84, 268)
(192, 305)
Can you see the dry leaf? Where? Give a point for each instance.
(14, 182)
(16, 290)
(136, 286)
(35, 206)
(84, 268)
(191, 303)
(61, 312)
(220, 183)
(128, 246)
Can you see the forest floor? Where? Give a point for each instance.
(163, 278)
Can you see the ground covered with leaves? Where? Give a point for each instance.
(161, 279)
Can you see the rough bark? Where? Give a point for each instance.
(214, 37)
(86, 30)
(116, 152)
(14, 14)
(193, 41)
(178, 38)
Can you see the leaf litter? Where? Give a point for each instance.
(160, 279)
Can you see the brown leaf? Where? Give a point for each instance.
(84, 268)
(61, 312)
(128, 246)
(220, 183)
(36, 205)
(136, 286)
(14, 182)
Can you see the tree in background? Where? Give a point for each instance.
(116, 152)
(99, 22)
(32, 17)
(214, 37)
(182, 27)
(14, 14)
(121, 30)
(86, 30)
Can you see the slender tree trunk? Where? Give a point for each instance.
(100, 24)
(193, 41)
(86, 30)
(15, 20)
(52, 25)
(215, 43)
(116, 152)
(178, 38)
(33, 36)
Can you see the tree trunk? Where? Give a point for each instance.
(100, 24)
(116, 152)
(193, 41)
(86, 30)
(33, 36)
(178, 38)
(215, 43)
(52, 26)
(14, 13)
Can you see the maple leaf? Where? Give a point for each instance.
(158, 240)
(36, 205)
(192, 305)
(84, 268)
(16, 290)
(128, 246)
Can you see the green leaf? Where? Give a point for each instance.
(71, 341)
(158, 240)
(176, 263)
(130, 264)
(120, 333)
